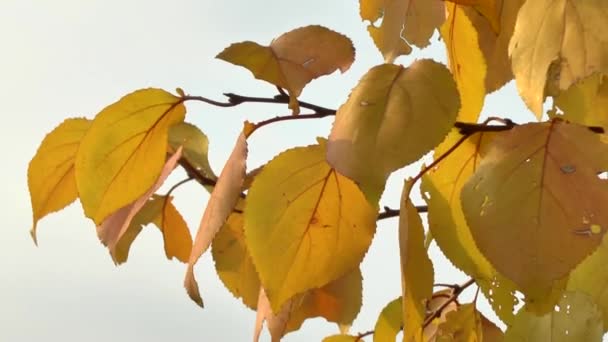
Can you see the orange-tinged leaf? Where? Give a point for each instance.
(495, 44)
(586, 102)
(221, 203)
(50, 174)
(530, 206)
(123, 152)
(111, 230)
(160, 211)
(441, 187)
(305, 224)
(404, 22)
(295, 58)
(570, 34)
(416, 268)
(576, 318)
(389, 322)
(466, 61)
(392, 118)
(232, 261)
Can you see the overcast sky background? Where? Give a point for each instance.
(66, 58)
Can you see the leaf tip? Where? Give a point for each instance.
(192, 287)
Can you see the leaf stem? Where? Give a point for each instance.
(441, 157)
(289, 117)
(364, 334)
(456, 291)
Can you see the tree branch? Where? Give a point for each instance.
(456, 291)
(389, 212)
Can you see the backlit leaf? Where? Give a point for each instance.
(462, 325)
(389, 322)
(416, 268)
(123, 152)
(495, 43)
(586, 102)
(111, 230)
(531, 206)
(576, 318)
(570, 34)
(50, 174)
(441, 187)
(305, 224)
(404, 23)
(195, 145)
(295, 58)
(341, 338)
(221, 203)
(466, 62)
(489, 9)
(160, 211)
(392, 118)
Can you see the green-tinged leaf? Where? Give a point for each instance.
(536, 209)
(160, 211)
(305, 224)
(232, 261)
(123, 152)
(295, 58)
(50, 174)
(441, 187)
(567, 35)
(195, 145)
(111, 230)
(466, 62)
(495, 43)
(404, 22)
(221, 204)
(576, 318)
(416, 268)
(389, 322)
(392, 118)
(585, 102)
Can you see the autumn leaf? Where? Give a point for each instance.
(389, 322)
(535, 209)
(294, 59)
(305, 224)
(585, 102)
(160, 211)
(50, 174)
(392, 118)
(570, 34)
(195, 146)
(341, 338)
(404, 23)
(466, 62)
(416, 268)
(123, 152)
(219, 207)
(111, 230)
(495, 43)
(489, 9)
(441, 300)
(576, 318)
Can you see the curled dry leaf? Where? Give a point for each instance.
(221, 203)
(295, 58)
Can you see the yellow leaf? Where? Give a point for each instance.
(392, 118)
(416, 268)
(389, 322)
(221, 203)
(160, 211)
(441, 187)
(530, 206)
(232, 261)
(495, 43)
(50, 175)
(111, 230)
(305, 224)
(124, 150)
(195, 145)
(489, 9)
(570, 34)
(462, 325)
(404, 22)
(586, 102)
(341, 338)
(466, 62)
(576, 318)
(438, 300)
(294, 59)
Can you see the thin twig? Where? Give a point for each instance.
(364, 334)
(389, 212)
(441, 157)
(289, 117)
(178, 184)
(455, 293)
(235, 100)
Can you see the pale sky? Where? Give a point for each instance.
(66, 58)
